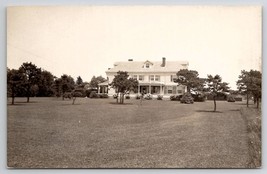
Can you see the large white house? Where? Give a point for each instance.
(154, 77)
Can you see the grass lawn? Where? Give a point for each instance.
(93, 133)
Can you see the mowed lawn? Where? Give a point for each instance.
(97, 133)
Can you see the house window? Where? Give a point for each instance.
(135, 77)
(179, 91)
(173, 77)
(169, 89)
(151, 77)
(141, 77)
(147, 65)
(157, 78)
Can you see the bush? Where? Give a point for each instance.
(148, 97)
(138, 96)
(93, 94)
(175, 97)
(199, 97)
(88, 92)
(160, 97)
(67, 95)
(115, 96)
(231, 98)
(104, 95)
(187, 99)
(127, 96)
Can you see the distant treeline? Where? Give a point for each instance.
(30, 80)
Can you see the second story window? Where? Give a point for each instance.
(135, 77)
(147, 65)
(141, 77)
(157, 78)
(151, 77)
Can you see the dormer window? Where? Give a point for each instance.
(147, 64)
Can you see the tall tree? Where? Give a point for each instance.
(190, 79)
(32, 74)
(95, 81)
(15, 81)
(67, 84)
(216, 86)
(79, 80)
(57, 86)
(249, 82)
(123, 84)
(45, 84)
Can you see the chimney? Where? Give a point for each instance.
(163, 62)
(130, 60)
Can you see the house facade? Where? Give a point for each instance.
(154, 77)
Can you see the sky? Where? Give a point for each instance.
(87, 40)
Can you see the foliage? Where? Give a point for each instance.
(201, 97)
(159, 97)
(45, 85)
(95, 81)
(74, 95)
(215, 86)
(249, 82)
(187, 98)
(15, 81)
(148, 96)
(175, 97)
(127, 96)
(93, 94)
(32, 74)
(67, 84)
(67, 95)
(138, 96)
(190, 79)
(103, 95)
(231, 98)
(79, 80)
(123, 84)
(115, 96)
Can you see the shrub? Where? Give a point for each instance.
(104, 95)
(93, 94)
(160, 97)
(199, 97)
(231, 98)
(175, 97)
(138, 96)
(67, 95)
(127, 96)
(115, 96)
(148, 97)
(88, 92)
(187, 99)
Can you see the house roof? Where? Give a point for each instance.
(138, 66)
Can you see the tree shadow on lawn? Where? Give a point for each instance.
(219, 112)
(16, 104)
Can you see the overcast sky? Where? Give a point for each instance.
(87, 40)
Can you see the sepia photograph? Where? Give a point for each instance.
(156, 86)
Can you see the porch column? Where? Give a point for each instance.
(138, 89)
(149, 89)
(99, 89)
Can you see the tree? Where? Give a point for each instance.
(123, 84)
(74, 95)
(79, 80)
(249, 82)
(190, 79)
(216, 86)
(57, 86)
(67, 84)
(45, 84)
(95, 81)
(32, 74)
(15, 81)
